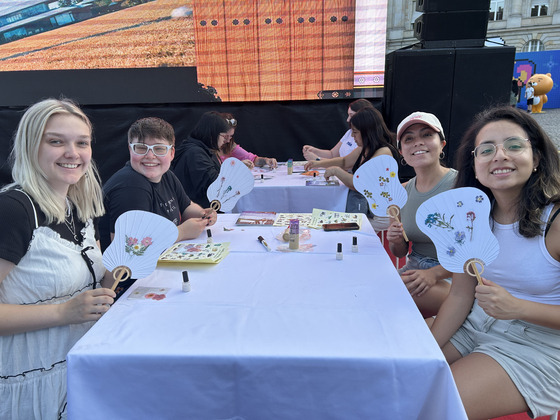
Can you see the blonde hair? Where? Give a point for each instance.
(86, 194)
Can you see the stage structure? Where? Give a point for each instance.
(448, 73)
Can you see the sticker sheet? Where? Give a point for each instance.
(195, 253)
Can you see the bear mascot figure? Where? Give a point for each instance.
(542, 83)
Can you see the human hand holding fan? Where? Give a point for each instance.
(140, 238)
(457, 222)
(234, 181)
(378, 181)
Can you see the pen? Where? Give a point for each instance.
(262, 241)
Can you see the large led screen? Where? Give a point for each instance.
(148, 51)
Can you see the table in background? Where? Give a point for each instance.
(267, 335)
(285, 193)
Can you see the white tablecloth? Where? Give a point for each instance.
(267, 335)
(285, 193)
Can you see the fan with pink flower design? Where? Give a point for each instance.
(140, 238)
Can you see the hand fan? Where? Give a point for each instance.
(140, 238)
(378, 181)
(457, 222)
(234, 181)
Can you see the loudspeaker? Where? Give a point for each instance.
(451, 6)
(452, 29)
(447, 82)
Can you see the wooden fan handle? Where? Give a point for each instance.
(215, 204)
(394, 212)
(120, 273)
(472, 269)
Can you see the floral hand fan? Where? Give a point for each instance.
(457, 222)
(234, 181)
(140, 238)
(378, 181)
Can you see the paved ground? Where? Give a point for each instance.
(549, 120)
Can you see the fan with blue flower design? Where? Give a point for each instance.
(457, 222)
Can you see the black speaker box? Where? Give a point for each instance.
(452, 29)
(453, 84)
(451, 6)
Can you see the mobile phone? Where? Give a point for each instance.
(341, 226)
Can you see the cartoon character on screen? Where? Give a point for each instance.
(234, 181)
(457, 222)
(542, 84)
(140, 238)
(378, 181)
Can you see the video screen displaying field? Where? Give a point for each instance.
(243, 50)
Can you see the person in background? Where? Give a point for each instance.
(514, 94)
(50, 262)
(420, 140)
(530, 96)
(502, 338)
(231, 149)
(146, 183)
(373, 139)
(196, 162)
(346, 143)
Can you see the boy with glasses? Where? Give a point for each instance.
(146, 183)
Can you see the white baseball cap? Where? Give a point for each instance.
(419, 117)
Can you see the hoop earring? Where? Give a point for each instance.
(403, 162)
(442, 155)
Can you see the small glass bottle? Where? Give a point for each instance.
(290, 166)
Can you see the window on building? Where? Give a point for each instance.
(496, 10)
(533, 45)
(539, 8)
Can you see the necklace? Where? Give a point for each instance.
(69, 220)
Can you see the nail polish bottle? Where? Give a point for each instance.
(339, 251)
(354, 244)
(186, 282)
(209, 233)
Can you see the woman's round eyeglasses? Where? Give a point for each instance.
(143, 149)
(512, 146)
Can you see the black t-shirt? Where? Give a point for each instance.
(129, 190)
(18, 223)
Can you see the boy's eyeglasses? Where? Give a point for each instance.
(512, 146)
(143, 149)
(231, 121)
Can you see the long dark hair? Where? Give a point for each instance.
(542, 187)
(374, 132)
(209, 127)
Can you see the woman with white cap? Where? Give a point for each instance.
(420, 140)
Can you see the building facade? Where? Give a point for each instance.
(527, 25)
